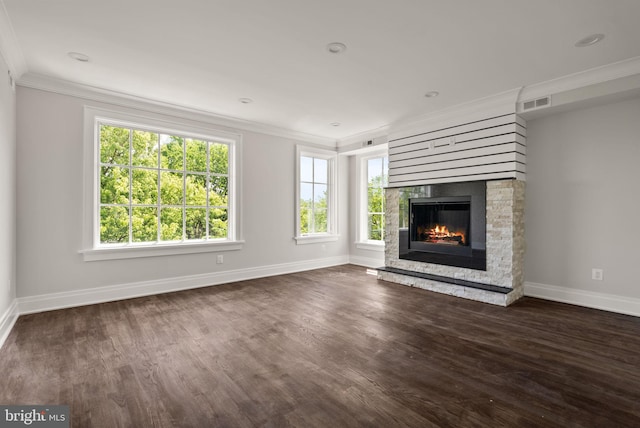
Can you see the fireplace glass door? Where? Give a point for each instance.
(441, 225)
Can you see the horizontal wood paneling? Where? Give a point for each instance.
(494, 147)
(449, 153)
(464, 163)
(442, 146)
(473, 177)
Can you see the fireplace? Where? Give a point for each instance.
(440, 225)
(444, 224)
(454, 203)
(494, 234)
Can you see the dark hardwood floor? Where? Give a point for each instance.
(327, 348)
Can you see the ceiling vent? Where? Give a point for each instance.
(368, 143)
(537, 103)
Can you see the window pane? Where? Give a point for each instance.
(374, 172)
(171, 224)
(306, 216)
(114, 185)
(320, 170)
(320, 220)
(375, 227)
(145, 149)
(114, 145)
(196, 155)
(320, 194)
(144, 224)
(196, 223)
(306, 192)
(219, 158)
(144, 186)
(143, 175)
(171, 152)
(306, 169)
(218, 219)
(114, 225)
(218, 191)
(171, 188)
(196, 189)
(375, 200)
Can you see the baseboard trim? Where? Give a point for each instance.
(369, 262)
(54, 301)
(7, 321)
(590, 299)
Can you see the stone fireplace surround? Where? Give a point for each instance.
(501, 283)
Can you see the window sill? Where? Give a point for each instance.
(114, 253)
(314, 239)
(370, 245)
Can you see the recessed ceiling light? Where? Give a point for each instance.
(245, 100)
(432, 94)
(79, 56)
(335, 124)
(336, 47)
(589, 40)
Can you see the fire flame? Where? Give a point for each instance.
(441, 234)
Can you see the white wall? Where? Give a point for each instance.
(583, 206)
(7, 192)
(49, 203)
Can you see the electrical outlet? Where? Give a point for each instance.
(220, 259)
(597, 274)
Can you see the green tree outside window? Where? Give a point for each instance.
(377, 180)
(156, 187)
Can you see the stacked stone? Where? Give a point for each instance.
(505, 248)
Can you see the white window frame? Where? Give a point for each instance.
(92, 249)
(332, 195)
(362, 207)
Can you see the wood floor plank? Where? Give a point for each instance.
(323, 348)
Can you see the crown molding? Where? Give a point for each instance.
(605, 73)
(491, 106)
(9, 47)
(93, 93)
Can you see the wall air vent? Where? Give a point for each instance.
(536, 104)
(376, 141)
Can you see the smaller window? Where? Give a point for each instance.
(316, 195)
(376, 182)
(371, 218)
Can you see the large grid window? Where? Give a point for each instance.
(377, 179)
(161, 187)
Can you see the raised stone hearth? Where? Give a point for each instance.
(502, 281)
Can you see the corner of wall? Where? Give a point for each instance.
(7, 321)
(8, 304)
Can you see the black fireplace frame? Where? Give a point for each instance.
(472, 257)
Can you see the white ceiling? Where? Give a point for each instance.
(205, 54)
